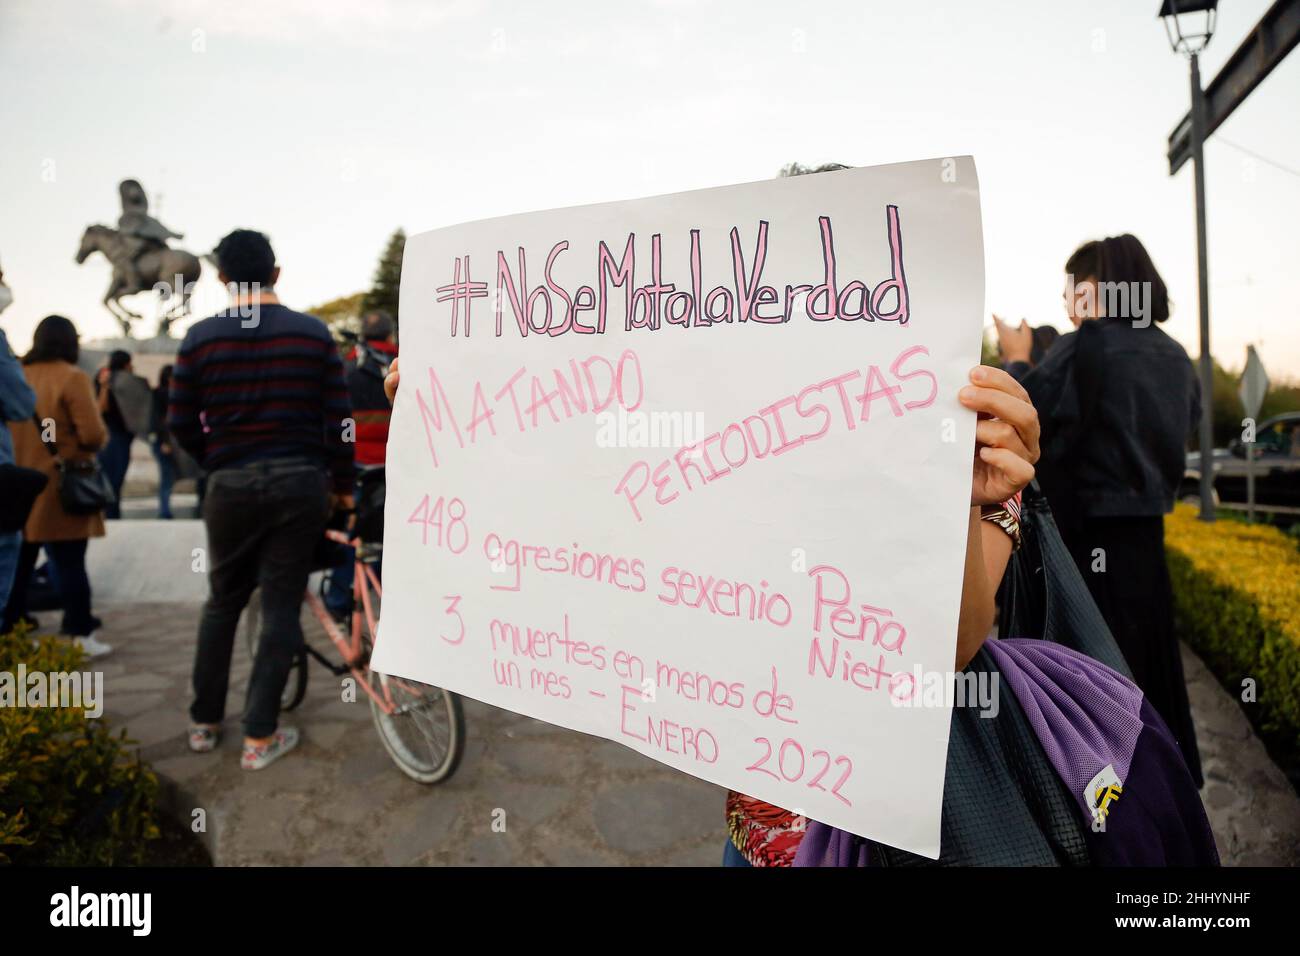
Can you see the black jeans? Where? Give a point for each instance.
(264, 521)
(69, 560)
(115, 459)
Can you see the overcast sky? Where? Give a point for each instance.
(327, 124)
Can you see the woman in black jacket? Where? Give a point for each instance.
(1117, 399)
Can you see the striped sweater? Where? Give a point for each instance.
(272, 390)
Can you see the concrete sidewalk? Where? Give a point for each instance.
(568, 799)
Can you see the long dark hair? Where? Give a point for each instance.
(1120, 259)
(54, 340)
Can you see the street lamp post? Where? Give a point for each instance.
(1189, 34)
(1203, 294)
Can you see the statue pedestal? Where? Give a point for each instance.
(148, 356)
(157, 345)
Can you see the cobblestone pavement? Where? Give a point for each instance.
(568, 798)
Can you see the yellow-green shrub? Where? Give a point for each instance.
(69, 792)
(1237, 602)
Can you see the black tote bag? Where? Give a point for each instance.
(1003, 803)
(1043, 595)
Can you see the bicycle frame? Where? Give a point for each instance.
(350, 646)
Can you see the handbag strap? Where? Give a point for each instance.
(50, 446)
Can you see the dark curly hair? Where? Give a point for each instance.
(246, 256)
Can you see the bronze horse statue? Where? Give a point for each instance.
(169, 272)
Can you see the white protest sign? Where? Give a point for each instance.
(690, 473)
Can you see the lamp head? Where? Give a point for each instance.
(1189, 24)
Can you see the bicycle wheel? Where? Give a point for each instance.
(295, 688)
(425, 733)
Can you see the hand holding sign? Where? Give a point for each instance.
(1006, 436)
(390, 382)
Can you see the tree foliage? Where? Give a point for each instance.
(388, 277)
(341, 315)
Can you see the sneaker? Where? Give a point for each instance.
(257, 756)
(204, 739)
(93, 646)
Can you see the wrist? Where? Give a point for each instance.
(999, 515)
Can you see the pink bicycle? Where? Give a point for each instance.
(422, 726)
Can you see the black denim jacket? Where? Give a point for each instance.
(1116, 404)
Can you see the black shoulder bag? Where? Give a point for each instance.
(1044, 596)
(83, 487)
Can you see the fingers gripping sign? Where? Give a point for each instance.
(1006, 435)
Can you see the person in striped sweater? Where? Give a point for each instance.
(259, 399)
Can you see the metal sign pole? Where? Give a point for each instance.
(1250, 482)
(1252, 391)
(1207, 367)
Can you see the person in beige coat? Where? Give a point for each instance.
(66, 406)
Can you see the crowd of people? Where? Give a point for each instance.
(265, 407)
(97, 422)
(277, 419)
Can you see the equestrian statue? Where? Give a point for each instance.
(142, 261)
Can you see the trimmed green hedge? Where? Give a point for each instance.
(1237, 603)
(70, 793)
